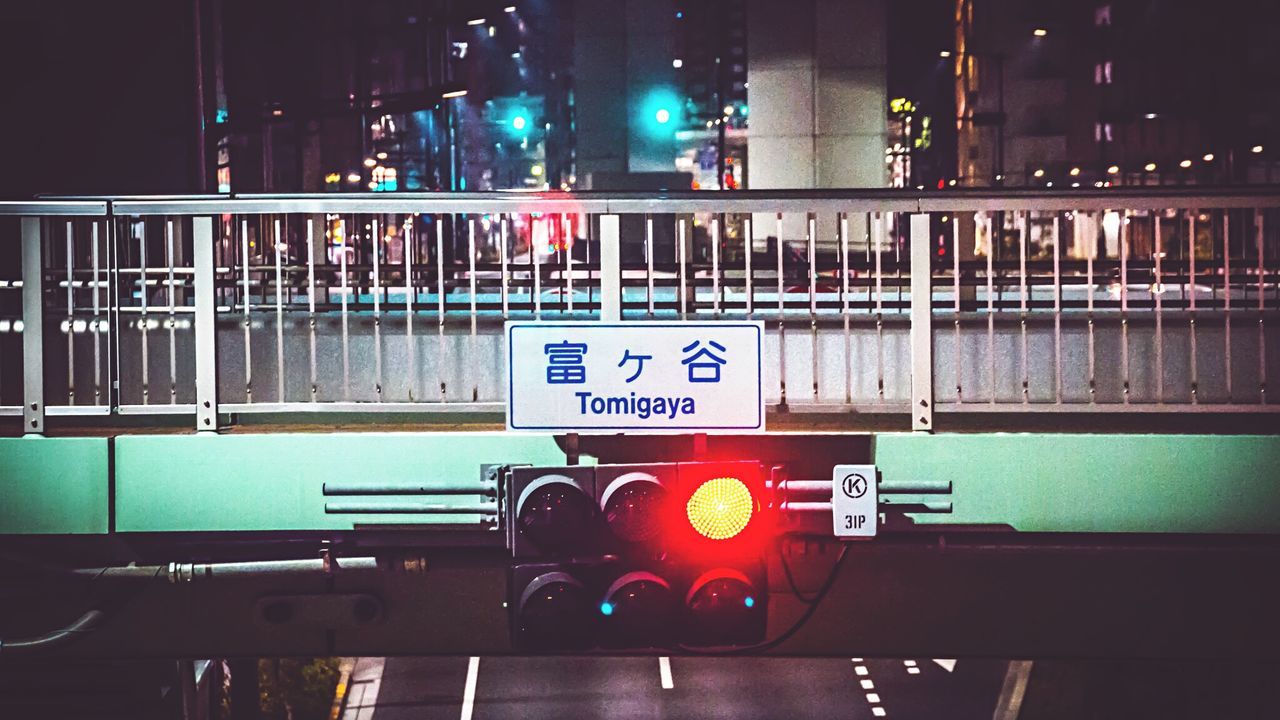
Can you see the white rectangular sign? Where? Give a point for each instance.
(853, 500)
(651, 376)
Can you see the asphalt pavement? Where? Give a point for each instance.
(532, 688)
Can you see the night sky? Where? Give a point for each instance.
(98, 97)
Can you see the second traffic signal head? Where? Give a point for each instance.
(635, 502)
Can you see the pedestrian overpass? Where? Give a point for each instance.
(275, 424)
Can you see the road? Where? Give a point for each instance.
(493, 688)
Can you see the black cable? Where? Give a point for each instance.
(791, 581)
(795, 627)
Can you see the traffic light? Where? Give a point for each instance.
(554, 512)
(659, 111)
(638, 556)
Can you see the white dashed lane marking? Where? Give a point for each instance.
(664, 671)
(469, 690)
(873, 698)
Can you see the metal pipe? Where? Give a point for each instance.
(176, 572)
(83, 625)
(407, 488)
(344, 508)
(883, 486)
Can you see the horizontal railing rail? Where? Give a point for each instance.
(1120, 300)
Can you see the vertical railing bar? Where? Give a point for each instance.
(921, 323)
(248, 353)
(537, 275)
(114, 294)
(1057, 305)
(782, 327)
(410, 229)
(1024, 219)
(343, 288)
(991, 306)
(715, 266)
(1191, 289)
(142, 272)
(877, 236)
(1093, 250)
(1124, 304)
(32, 326)
(955, 304)
(648, 259)
(375, 243)
(173, 318)
(567, 243)
(1226, 298)
(311, 305)
(471, 272)
(440, 307)
(280, 241)
(811, 242)
(97, 320)
(680, 243)
(503, 220)
(610, 263)
(1262, 326)
(1158, 293)
(204, 327)
(897, 258)
(844, 307)
(71, 355)
(749, 247)
(781, 273)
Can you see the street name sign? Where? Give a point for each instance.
(650, 376)
(853, 500)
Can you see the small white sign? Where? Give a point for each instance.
(651, 376)
(853, 500)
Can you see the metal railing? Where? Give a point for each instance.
(1115, 301)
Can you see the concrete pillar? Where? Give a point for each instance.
(622, 62)
(817, 83)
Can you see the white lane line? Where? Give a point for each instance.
(868, 685)
(469, 691)
(873, 698)
(860, 670)
(664, 670)
(948, 665)
(878, 711)
(913, 671)
(909, 663)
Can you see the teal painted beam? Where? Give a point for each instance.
(274, 481)
(243, 482)
(1096, 483)
(53, 486)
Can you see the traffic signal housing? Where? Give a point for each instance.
(638, 556)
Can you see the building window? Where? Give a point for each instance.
(1102, 16)
(1102, 73)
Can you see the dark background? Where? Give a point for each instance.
(96, 97)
